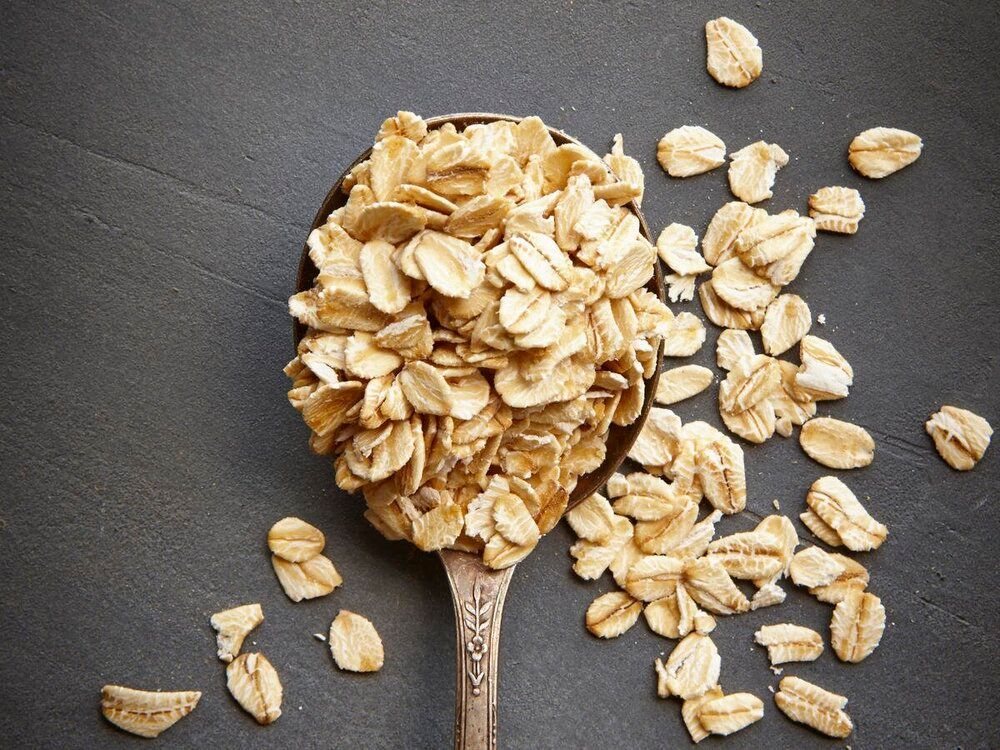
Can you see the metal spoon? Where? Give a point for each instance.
(478, 591)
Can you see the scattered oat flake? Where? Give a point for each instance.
(813, 706)
(682, 382)
(611, 614)
(787, 642)
(734, 57)
(146, 713)
(690, 150)
(786, 320)
(691, 708)
(295, 540)
(856, 626)
(306, 580)
(693, 666)
(232, 627)
(355, 644)
(837, 209)
(837, 444)
(724, 716)
(752, 170)
(961, 437)
(813, 567)
(879, 152)
(254, 683)
(839, 510)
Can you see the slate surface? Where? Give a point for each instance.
(161, 164)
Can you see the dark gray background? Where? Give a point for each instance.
(161, 164)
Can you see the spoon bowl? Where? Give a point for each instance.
(478, 591)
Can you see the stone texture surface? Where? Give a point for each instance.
(161, 164)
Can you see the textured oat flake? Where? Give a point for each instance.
(611, 614)
(813, 706)
(146, 713)
(856, 626)
(879, 152)
(837, 209)
(295, 540)
(355, 644)
(232, 627)
(787, 642)
(682, 382)
(839, 510)
(786, 320)
(752, 170)
(961, 437)
(254, 683)
(736, 711)
(690, 150)
(693, 666)
(733, 56)
(837, 444)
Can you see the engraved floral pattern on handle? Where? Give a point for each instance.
(477, 620)
(478, 593)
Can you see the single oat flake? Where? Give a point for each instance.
(837, 209)
(611, 614)
(814, 567)
(254, 683)
(295, 540)
(690, 150)
(691, 708)
(961, 437)
(787, 643)
(355, 644)
(677, 246)
(837, 444)
(146, 713)
(856, 626)
(734, 57)
(693, 666)
(682, 382)
(752, 170)
(813, 706)
(839, 510)
(232, 627)
(730, 714)
(879, 152)
(306, 580)
(786, 320)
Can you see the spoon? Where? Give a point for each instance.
(477, 590)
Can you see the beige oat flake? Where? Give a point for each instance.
(232, 627)
(306, 580)
(693, 666)
(787, 642)
(879, 152)
(961, 437)
(254, 683)
(839, 510)
(856, 626)
(814, 567)
(146, 713)
(355, 644)
(734, 57)
(690, 150)
(786, 320)
(730, 714)
(813, 706)
(683, 382)
(611, 614)
(752, 170)
(692, 707)
(837, 444)
(295, 540)
(837, 209)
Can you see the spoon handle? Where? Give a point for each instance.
(477, 593)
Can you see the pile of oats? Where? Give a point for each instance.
(478, 323)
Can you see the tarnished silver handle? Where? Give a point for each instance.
(477, 593)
